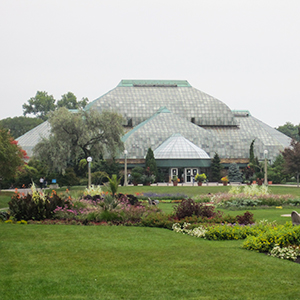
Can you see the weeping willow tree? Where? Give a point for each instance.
(79, 135)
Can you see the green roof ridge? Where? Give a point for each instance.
(134, 129)
(153, 83)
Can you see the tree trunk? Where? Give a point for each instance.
(297, 179)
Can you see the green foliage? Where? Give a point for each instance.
(292, 159)
(228, 232)
(251, 153)
(34, 206)
(108, 167)
(69, 178)
(290, 130)
(40, 105)
(276, 172)
(175, 178)
(77, 135)
(150, 163)
(19, 125)
(136, 175)
(113, 184)
(234, 174)
(158, 220)
(200, 177)
(147, 179)
(69, 101)
(282, 235)
(11, 155)
(216, 168)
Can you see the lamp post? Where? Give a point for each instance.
(125, 168)
(266, 167)
(89, 160)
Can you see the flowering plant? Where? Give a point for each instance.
(200, 177)
(175, 179)
(224, 179)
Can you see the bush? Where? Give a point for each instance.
(158, 220)
(35, 206)
(246, 218)
(188, 208)
(282, 235)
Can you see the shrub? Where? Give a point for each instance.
(227, 232)
(188, 208)
(246, 218)
(282, 235)
(158, 220)
(35, 206)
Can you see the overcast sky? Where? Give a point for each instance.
(244, 53)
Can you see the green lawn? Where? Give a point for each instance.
(5, 198)
(103, 262)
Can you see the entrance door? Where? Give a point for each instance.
(190, 174)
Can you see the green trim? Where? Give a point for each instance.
(183, 163)
(153, 83)
(133, 130)
(241, 112)
(88, 107)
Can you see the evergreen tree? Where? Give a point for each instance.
(234, 174)
(216, 168)
(151, 163)
(251, 153)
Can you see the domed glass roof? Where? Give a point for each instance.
(178, 147)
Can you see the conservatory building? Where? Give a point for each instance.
(184, 127)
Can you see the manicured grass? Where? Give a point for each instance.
(5, 198)
(270, 214)
(186, 190)
(197, 190)
(103, 262)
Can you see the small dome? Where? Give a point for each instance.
(178, 147)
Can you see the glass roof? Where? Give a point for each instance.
(138, 100)
(178, 147)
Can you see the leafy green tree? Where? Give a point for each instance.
(150, 163)
(290, 130)
(11, 155)
(216, 168)
(234, 174)
(19, 125)
(40, 105)
(79, 135)
(291, 157)
(69, 101)
(276, 172)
